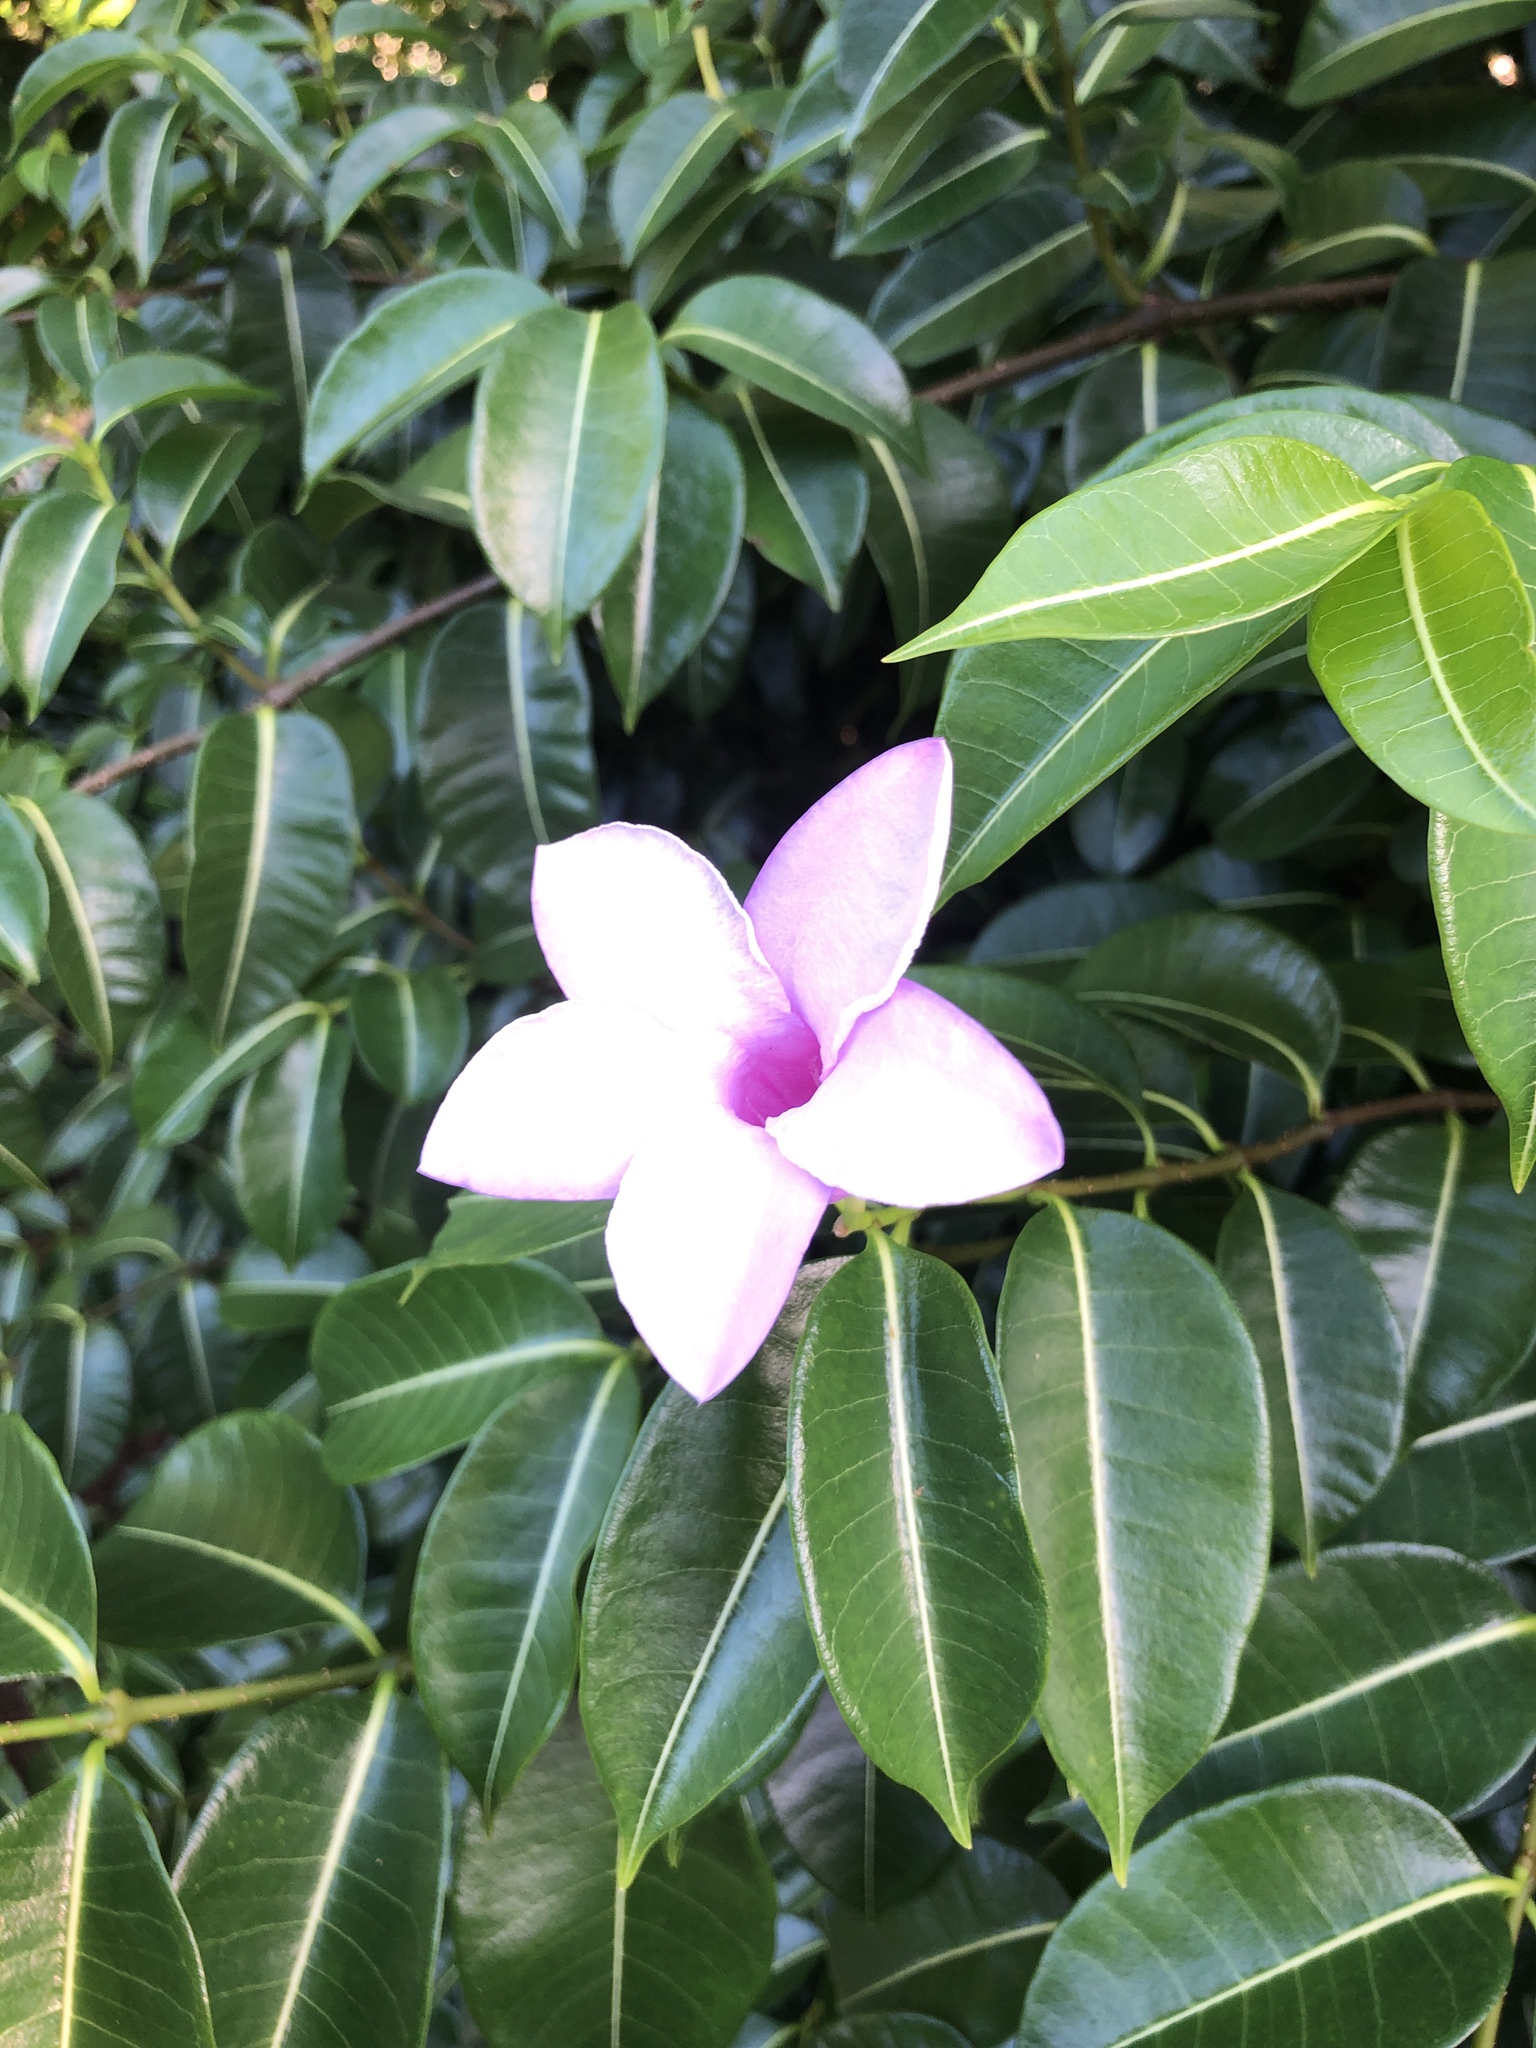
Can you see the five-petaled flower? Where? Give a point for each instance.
(724, 1071)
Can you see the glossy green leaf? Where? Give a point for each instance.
(1398, 1663)
(1424, 649)
(696, 1660)
(415, 346)
(1374, 434)
(77, 1394)
(93, 1946)
(1068, 1048)
(921, 1585)
(202, 1557)
(1006, 263)
(1333, 1904)
(482, 1231)
(540, 159)
(1462, 331)
(261, 1293)
(23, 899)
(889, 48)
(879, 2030)
(286, 1144)
(47, 1592)
(1033, 726)
(554, 1955)
(406, 1378)
(505, 748)
(986, 159)
(1455, 1248)
(73, 64)
(803, 349)
(963, 1951)
(1222, 533)
(378, 150)
(186, 474)
(314, 1878)
(895, 148)
(1348, 44)
(1485, 899)
(235, 82)
(669, 157)
(1350, 216)
(1335, 1374)
(1282, 785)
(137, 152)
(807, 498)
(106, 936)
(57, 570)
(139, 383)
(570, 419)
(493, 1611)
(811, 126)
(272, 851)
(411, 1030)
(1138, 1410)
(662, 601)
(1226, 982)
(180, 1077)
(1470, 1487)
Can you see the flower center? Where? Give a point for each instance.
(776, 1072)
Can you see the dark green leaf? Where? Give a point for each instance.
(23, 899)
(411, 1030)
(261, 1293)
(807, 499)
(235, 82)
(76, 1392)
(286, 1144)
(74, 64)
(1462, 331)
(380, 148)
(482, 1231)
(1470, 1487)
(1348, 44)
(1065, 1045)
(140, 383)
(185, 476)
(47, 1592)
(888, 48)
(137, 152)
(57, 570)
(540, 159)
(668, 158)
(989, 156)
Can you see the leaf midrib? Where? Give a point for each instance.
(575, 1348)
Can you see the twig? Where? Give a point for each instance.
(421, 910)
(1523, 1877)
(120, 1711)
(1126, 289)
(295, 686)
(1154, 318)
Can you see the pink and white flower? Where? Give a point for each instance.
(723, 1071)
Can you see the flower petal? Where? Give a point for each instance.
(552, 1108)
(843, 898)
(923, 1107)
(704, 1243)
(627, 914)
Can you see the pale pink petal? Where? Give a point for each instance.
(553, 1107)
(843, 898)
(704, 1242)
(627, 914)
(923, 1107)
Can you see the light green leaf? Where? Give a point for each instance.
(287, 1150)
(669, 157)
(138, 383)
(200, 1557)
(1005, 264)
(1424, 649)
(695, 1658)
(665, 596)
(887, 49)
(1485, 898)
(554, 1955)
(91, 1936)
(186, 474)
(77, 1393)
(811, 126)
(1349, 44)
(272, 848)
(1398, 1663)
(1226, 982)
(963, 1951)
(1222, 533)
(106, 935)
(505, 747)
(1373, 434)
(1455, 1248)
(1333, 1904)
(409, 1371)
(47, 1592)
(1335, 1376)
(73, 64)
(483, 1231)
(921, 1585)
(803, 349)
(807, 498)
(570, 419)
(1033, 726)
(23, 899)
(493, 1610)
(237, 83)
(540, 160)
(416, 345)
(376, 151)
(314, 1877)
(57, 570)
(1138, 1411)
(137, 153)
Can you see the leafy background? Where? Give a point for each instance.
(429, 431)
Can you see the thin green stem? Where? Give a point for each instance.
(1523, 1879)
(1129, 291)
(120, 1711)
